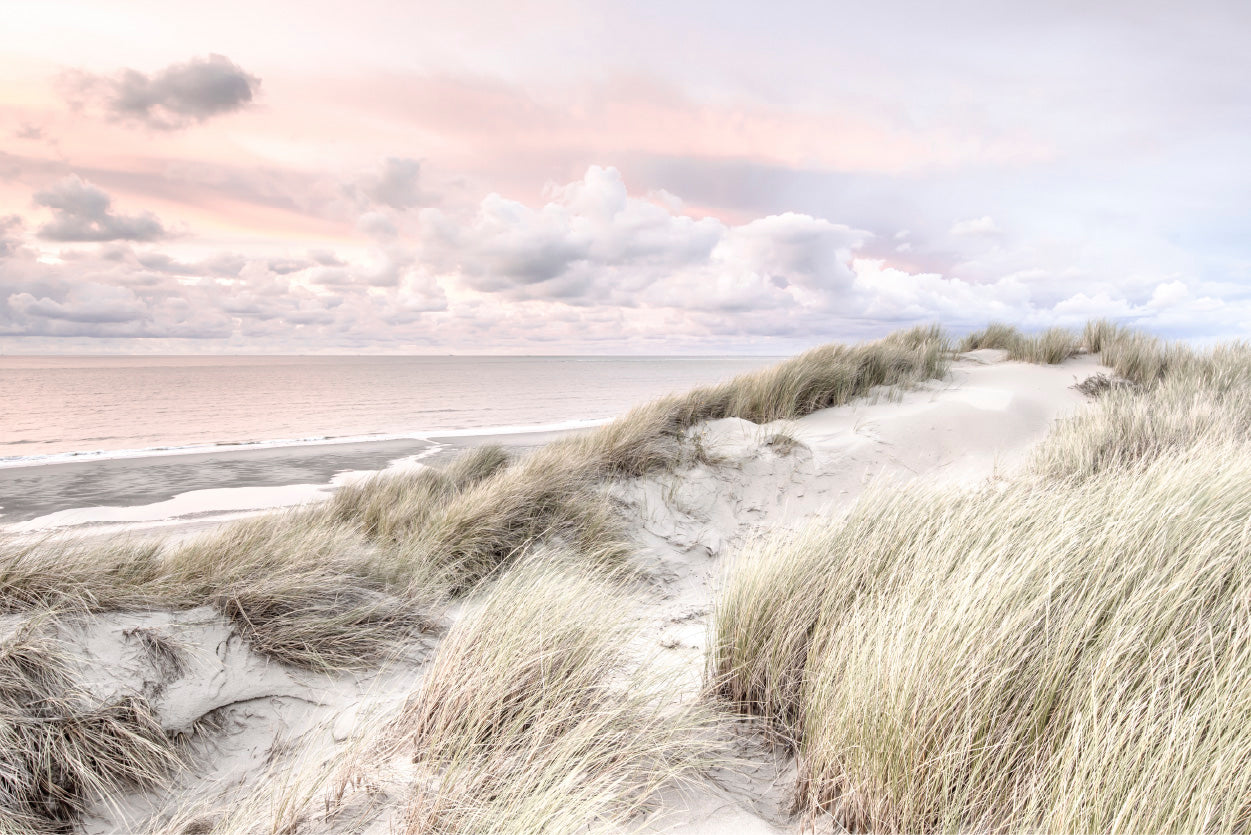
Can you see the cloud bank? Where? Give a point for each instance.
(83, 212)
(590, 267)
(172, 98)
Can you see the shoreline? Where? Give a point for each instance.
(51, 459)
(162, 489)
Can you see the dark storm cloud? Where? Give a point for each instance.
(175, 97)
(83, 212)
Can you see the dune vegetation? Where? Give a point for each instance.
(60, 747)
(346, 583)
(1065, 651)
(537, 719)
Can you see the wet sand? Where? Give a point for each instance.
(31, 492)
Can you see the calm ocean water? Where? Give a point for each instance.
(70, 408)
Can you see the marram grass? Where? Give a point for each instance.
(1072, 659)
(341, 585)
(1063, 652)
(536, 717)
(1050, 347)
(62, 749)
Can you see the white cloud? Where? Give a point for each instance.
(1168, 294)
(984, 225)
(84, 212)
(592, 244)
(86, 303)
(591, 267)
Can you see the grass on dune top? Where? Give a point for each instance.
(1065, 651)
(551, 492)
(1071, 659)
(424, 535)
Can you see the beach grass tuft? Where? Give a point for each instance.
(1014, 657)
(538, 718)
(1051, 347)
(996, 335)
(60, 748)
(1011, 658)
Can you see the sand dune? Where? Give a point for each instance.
(245, 715)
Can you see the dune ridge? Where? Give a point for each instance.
(328, 654)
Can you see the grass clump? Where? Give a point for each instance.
(79, 574)
(831, 375)
(1050, 347)
(299, 589)
(1064, 659)
(1171, 399)
(996, 335)
(302, 594)
(60, 749)
(534, 716)
(1100, 333)
(392, 506)
(1097, 385)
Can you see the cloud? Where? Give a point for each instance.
(589, 266)
(175, 97)
(590, 233)
(222, 264)
(378, 225)
(116, 292)
(83, 212)
(10, 227)
(87, 303)
(592, 244)
(29, 130)
(984, 225)
(397, 185)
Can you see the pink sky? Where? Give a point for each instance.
(610, 177)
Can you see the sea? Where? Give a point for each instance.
(82, 432)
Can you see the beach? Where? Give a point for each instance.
(108, 441)
(195, 488)
(340, 665)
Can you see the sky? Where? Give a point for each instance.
(635, 177)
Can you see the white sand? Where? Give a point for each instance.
(976, 425)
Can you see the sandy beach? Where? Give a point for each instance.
(190, 491)
(701, 617)
(975, 424)
(617, 418)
